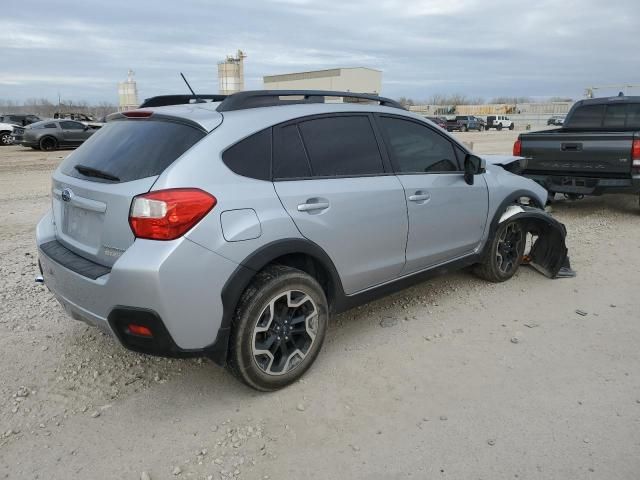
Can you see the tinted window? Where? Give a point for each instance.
(589, 116)
(633, 115)
(132, 149)
(289, 157)
(341, 146)
(49, 125)
(418, 149)
(72, 125)
(615, 116)
(251, 157)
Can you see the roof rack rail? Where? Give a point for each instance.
(165, 100)
(271, 98)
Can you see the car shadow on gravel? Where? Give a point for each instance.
(625, 204)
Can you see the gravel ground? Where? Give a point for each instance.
(454, 378)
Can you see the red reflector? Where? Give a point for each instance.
(169, 214)
(635, 149)
(517, 148)
(140, 330)
(137, 113)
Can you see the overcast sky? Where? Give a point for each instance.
(81, 49)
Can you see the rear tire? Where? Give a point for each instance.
(278, 328)
(6, 139)
(504, 253)
(48, 144)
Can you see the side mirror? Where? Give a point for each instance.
(86, 127)
(473, 165)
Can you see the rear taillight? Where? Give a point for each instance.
(168, 214)
(635, 156)
(517, 148)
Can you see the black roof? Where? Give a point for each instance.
(607, 100)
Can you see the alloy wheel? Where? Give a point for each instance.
(510, 247)
(285, 332)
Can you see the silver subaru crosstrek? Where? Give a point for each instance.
(232, 229)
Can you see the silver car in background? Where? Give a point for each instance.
(234, 229)
(52, 134)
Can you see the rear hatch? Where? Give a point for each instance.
(94, 186)
(605, 154)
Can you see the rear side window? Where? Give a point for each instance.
(633, 116)
(251, 157)
(589, 116)
(132, 149)
(49, 125)
(289, 157)
(341, 146)
(615, 116)
(72, 126)
(416, 148)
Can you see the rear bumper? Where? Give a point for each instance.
(175, 285)
(585, 185)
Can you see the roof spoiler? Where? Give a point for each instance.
(166, 100)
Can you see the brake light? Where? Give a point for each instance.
(168, 214)
(138, 113)
(517, 148)
(635, 149)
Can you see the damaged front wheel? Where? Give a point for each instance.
(504, 254)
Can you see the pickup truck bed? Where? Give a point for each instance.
(592, 161)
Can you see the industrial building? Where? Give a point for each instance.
(231, 74)
(355, 79)
(128, 93)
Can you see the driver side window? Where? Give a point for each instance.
(415, 148)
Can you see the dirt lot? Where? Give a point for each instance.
(454, 379)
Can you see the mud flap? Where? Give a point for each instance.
(548, 253)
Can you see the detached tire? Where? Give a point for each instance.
(278, 328)
(504, 253)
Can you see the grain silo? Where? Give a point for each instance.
(231, 74)
(128, 93)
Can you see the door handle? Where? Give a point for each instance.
(310, 207)
(419, 197)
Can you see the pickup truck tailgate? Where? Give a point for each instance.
(589, 154)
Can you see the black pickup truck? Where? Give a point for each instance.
(596, 151)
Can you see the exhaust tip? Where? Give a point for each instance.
(40, 279)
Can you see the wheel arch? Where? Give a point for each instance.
(299, 253)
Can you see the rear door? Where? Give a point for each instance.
(447, 217)
(73, 133)
(94, 186)
(331, 178)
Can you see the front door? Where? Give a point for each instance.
(73, 133)
(447, 217)
(330, 177)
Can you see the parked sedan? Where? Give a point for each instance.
(557, 120)
(52, 134)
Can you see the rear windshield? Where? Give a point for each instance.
(128, 150)
(614, 116)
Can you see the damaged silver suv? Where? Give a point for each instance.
(232, 229)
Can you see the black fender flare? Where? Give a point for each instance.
(247, 269)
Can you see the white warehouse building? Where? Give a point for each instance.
(354, 79)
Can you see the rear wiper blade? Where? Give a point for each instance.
(94, 172)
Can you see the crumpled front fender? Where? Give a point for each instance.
(548, 253)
